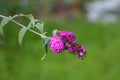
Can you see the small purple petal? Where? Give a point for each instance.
(67, 36)
(80, 54)
(71, 49)
(81, 51)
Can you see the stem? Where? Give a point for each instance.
(2, 16)
(23, 26)
(26, 27)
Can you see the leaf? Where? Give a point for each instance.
(45, 46)
(46, 41)
(22, 14)
(44, 33)
(43, 56)
(3, 23)
(32, 20)
(55, 32)
(40, 27)
(46, 50)
(21, 35)
(29, 25)
(16, 16)
(30, 16)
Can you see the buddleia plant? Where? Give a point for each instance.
(60, 40)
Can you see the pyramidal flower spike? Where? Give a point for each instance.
(65, 40)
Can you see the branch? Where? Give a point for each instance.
(22, 25)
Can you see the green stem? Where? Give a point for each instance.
(2, 16)
(26, 27)
(23, 26)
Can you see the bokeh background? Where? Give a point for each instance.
(102, 41)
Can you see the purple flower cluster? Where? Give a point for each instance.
(56, 44)
(65, 40)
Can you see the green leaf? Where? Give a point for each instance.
(45, 46)
(32, 20)
(16, 16)
(55, 32)
(40, 27)
(21, 35)
(30, 16)
(29, 25)
(43, 56)
(46, 41)
(46, 50)
(3, 23)
(22, 14)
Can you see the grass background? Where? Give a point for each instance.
(102, 62)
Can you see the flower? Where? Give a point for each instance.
(65, 40)
(67, 36)
(71, 49)
(56, 44)
(80, 54)
(81, 51)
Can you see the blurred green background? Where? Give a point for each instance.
(102, 42)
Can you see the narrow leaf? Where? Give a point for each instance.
(3, 23)
(55, 32)
(15, 16)
(32, 20)
(21, 35)
(18, 15)
(46, 41)
(43, 56)
(30, 16)
(40, 27)
(29, 25)
(45, 46)
(22, 14)
(46, 50)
